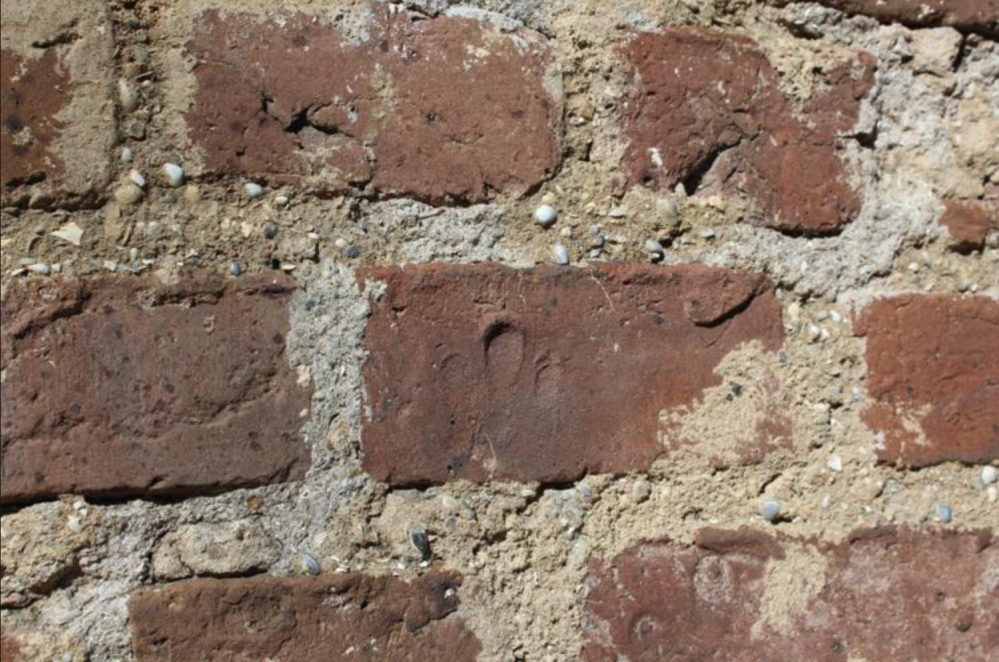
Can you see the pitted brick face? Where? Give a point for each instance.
(446, 110)
(482, 372)
(933, 377)
(333, 617)
(33, 93)
(122, 386)
(869, 597)
(707, 111)
(981, 16)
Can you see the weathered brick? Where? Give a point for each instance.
(933, 377)
(448, 109)
(968, 224)
(331, 617)
(743, 595)
(483, 371)
(981, 16)
(707, 111)
(122, 385)
(58, 120)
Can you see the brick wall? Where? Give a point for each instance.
(505, 331)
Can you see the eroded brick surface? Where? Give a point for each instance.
(444, 110)
(33, 93)
(55, 103)
(981, 16)
(743, 595)
(933, 376)
(482, 371)
(968, 224)
(707, 111)
(119, 385)
(332, 617)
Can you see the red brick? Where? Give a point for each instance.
(483, 371)
(981, 16)
(55, 102)
(710, 104)
(444, 109)
(933, 377)
(968, 224)
(327, 618)
(873, 600)
(124, 385)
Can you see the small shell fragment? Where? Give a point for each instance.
(418, 539)
(137, 178)
(561, 254)
(174, 174)
(310, 564)
(127, 96)
(70, 232)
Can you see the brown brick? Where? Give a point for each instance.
(58, 120)
(483, 371)
(331, 617)
(968, 224)
(981, 16)
(444, 109)
(749, 596)
(933, 377)
(124, 385)
(706, 110)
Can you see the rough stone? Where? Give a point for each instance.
(331, 617)
(707, 111)
(932, 367)
(444, 110)
(981, 16)
(743, 595)
(968, 224)
(40, 551)
(122, 385)
(225, 548)
(482, 372)
(58, 126)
